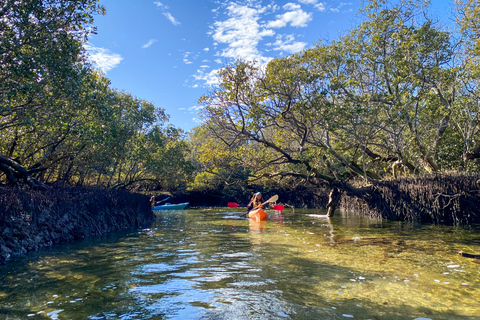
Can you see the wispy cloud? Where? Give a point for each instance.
(318, 5)
(288, 44)
(247, 27)
(294, 16)
(149, 43)
(186, 59)
(340, 6)
(166, 13)
(250, 30)
(102, 58)
(171, 18)
(208, 78)
(197, 120)
(195, 108)
(241, 32)
(161, 5)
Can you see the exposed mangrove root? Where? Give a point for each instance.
(440, 199)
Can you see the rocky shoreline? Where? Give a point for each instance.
(31, 220)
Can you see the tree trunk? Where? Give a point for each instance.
(333, 200)
(15, 171)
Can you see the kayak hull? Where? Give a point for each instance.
(178, 206)
(258, 214)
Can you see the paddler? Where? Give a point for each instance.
(255, 202)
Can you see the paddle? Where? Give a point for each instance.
(277, 207)
(163, 200)
(158, 202)
(233, 205)
(272, 199)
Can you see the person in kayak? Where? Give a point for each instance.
(255, 202)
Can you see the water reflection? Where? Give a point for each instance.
(213, 264)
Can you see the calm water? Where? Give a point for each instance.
(208, 264)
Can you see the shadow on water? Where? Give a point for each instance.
(213, 264)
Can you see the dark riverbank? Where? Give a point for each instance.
(30, 220)
(438, 199)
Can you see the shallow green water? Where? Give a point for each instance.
(205, 264)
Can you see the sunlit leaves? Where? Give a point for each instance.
(383, 95)
(62, 120)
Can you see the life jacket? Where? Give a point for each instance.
(256, 203)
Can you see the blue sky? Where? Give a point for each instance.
(167, 52)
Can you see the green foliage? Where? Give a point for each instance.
(60, 119)
(396, 95)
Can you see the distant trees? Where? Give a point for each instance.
(469, 107)
(396, 95)
(59, 119)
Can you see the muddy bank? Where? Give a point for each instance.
(439, 199)
(30, 220)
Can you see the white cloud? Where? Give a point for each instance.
(287, 43)
(296, 17)
(195, 108)
(242, 33)
(292, 6)
(167, 14)
(102, 58)
(245, 30)
(161, 5)
(149, 43)
(171, 18)
(209, 78)
(320, 6)
(340, 6)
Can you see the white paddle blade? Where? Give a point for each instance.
(273, 199)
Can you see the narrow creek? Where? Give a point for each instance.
(211, 264)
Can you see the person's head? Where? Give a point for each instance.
(258, 196)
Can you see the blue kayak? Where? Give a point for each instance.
(168, 206)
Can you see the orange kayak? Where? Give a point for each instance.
(258, 214)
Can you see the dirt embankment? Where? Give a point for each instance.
(30, 220)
